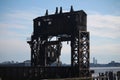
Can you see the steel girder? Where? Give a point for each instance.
(80, 53)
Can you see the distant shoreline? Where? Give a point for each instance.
(111, 64)
(28, 63)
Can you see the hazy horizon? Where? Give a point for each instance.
(103, 23)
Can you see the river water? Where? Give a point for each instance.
(104, 69)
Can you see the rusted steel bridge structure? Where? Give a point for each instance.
(46, 44)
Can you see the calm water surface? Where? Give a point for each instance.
(104, 69)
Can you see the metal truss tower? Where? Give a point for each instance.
(70, 26)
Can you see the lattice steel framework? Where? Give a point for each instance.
(83, 54)
(80, 52)
(70, 26)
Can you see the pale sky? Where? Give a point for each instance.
(16, 25)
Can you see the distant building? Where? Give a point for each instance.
(94, 60)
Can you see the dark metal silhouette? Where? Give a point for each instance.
(70, 26)
(49, 32)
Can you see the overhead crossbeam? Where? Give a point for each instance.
(69, 26)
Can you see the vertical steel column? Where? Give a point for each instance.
(74, 50)
(83, 54)
(80, 53)
(37, 51)
(74, 54)
(42, 59)
(34, 51)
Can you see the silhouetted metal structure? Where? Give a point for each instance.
(49, 32)
(70, 26)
